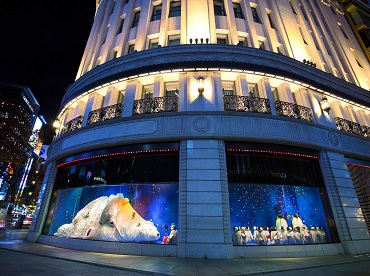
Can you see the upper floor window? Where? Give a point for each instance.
(135, 21)
(175, 8)
(219, 7)
(120, 28)
(228, 88)
(293, 10)
(131, 48)
(238, 11)
(148, 91)
(256, 18)
(125, 2)
(222, 40)
(157, 11)
(153, 43)
(173, 40)
(262, 44)
(172, 89)
(272, 25)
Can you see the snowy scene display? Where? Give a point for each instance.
(125, 213)
(277, 214)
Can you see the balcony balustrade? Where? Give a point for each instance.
(105, 113)
(72, 125)
(293, 110)
(156, 105)
(352, 127)
(246, 104)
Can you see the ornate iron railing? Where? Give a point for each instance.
(72, 124)
(247, 104)
(293, 110)
(105, 113)
(155, 105)
(352, 127)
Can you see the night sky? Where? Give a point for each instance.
(42, 43)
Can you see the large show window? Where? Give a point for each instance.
(124, 194)
(277, 196)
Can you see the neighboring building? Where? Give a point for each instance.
(201, 126)
(357, 13)
(18, 111)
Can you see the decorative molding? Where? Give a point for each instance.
(202, 124)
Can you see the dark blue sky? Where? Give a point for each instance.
(41, 46)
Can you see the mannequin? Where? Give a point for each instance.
(305, 234)
(172, 238)
(265, 234)
(314, 235)
(290, 236)
(248, 235)
(296, 221)
(321, 234)
(280, 221)
(237, 236)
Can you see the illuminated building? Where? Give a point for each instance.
(357, 13)
(209, 116)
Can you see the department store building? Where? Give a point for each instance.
(213, 129)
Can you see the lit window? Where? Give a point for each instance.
(219, 8)
(148, 91)
(175, 8)
(172, 89)
(157, 11)
(135, 21)
(238, 11)
(256, 18)
(228, 88)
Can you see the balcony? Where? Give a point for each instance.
(293, 110)
(72, 125)
(246, 104)
(352, 127)
(105, 113)
(156, 105)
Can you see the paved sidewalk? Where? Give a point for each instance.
(176, 266)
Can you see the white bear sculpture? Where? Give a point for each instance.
(111, 219)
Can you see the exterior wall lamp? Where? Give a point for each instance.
(324, 103)
(200, 85)
(56, 124)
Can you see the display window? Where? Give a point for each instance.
(123, 195)
(277, 197)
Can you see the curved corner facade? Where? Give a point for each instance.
(213, 129)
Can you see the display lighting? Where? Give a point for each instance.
(273, 152)
(324, 103)
(117, 154)
(200, 85)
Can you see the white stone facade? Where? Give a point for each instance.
(265, 67)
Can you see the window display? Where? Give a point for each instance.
(277, 198)
(124, 194)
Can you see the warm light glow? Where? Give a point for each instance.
(324, 103)
(56, 124)
(200, 85)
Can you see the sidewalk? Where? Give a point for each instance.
(175, 266)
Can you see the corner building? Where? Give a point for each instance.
(223, 119)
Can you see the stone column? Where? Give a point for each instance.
(349, 221)
(128, 102)
(264, 90)
(42, 203)
(204, 212)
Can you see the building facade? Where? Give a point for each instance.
(213, 129)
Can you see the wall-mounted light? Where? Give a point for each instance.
(200, 85)
(324, 103)
(56, 124)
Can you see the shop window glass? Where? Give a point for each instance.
(269, 190)
(141, 183)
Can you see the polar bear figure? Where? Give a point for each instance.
(112, 219)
